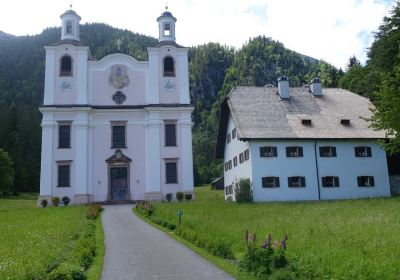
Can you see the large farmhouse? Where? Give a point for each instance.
(116, 129)
(303, 143)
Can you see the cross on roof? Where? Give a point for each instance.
(119, 43)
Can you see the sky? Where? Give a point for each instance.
(332, 30)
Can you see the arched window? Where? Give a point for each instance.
(66, 66)
(169, 67)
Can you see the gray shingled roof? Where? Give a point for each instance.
(258, 112)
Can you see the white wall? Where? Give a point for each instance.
(345, 165)
(232, 149)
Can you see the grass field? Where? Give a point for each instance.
(32, 238)
(354, 239)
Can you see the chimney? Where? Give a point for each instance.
(315, 87)
(283, 87)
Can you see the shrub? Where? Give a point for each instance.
(44, 203)
(171, 226)
(188, 196)
(262, 260)
(56, 201)
(243, 191)
(67, 271)
(169, 197)
(282, 274)
(221, 248)
(145, 208)
(6, 174)
(65, 200)
(93, 211)
(179, 196)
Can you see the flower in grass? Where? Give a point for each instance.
(268, 242)
(283, 242)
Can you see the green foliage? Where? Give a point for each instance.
(94, 211)
(44, 203)
(221, 248)
(335, 246)
(179, 196)
(55, 200)
(188, 196)
(168, 197)
(35, 241)
(145, 207)
(243, 192)
(6, 174)
(67, 271)
(65, 200)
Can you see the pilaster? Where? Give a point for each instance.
(183, 74)
(82, 76)
(49, 79)
(46, 165)
(153, 96)
(187, 156)
(153, 160)
(81, 126)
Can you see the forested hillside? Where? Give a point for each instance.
(214, 70)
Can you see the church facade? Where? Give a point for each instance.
(116, 129)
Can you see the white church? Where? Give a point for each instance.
(116, 129)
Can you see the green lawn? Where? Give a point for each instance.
(32, 238)
(354, 239)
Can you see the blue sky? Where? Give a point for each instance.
(332, 30)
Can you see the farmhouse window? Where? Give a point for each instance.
(64, 135)
(327, 151)
(226, 166)
(362, 151)
(241, 158)
(296, 182)
(294, 151)
(228, 138)
(234, 133)
(64, 174)
(118, 135)
(170, 134)
(330, 181)
(246, 154)
(230, 164)
(268, 151)
(270, 182)
(235, 162)
(171, 173)
(365, 181)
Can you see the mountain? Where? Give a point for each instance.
(214, 69)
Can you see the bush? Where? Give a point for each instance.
(93, 211)
(145, 208)
(179, 196)
(65, 200)
(261, 261)
(188, 196)
(56, 201)
(221, 248)
(169, 197)
(44, 203)
(171, 226)
(6, 174)
(243, 191)
(67, 271)
(282, 274)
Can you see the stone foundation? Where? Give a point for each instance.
(155, 196)
(47, 197)
(82, 199)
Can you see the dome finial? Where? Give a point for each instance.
(166, 5)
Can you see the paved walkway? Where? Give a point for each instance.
(136, 251)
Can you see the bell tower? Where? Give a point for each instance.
(70, 25)
(166, 25)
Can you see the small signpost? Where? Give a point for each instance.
(180, 213)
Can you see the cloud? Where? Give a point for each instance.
(332, 30)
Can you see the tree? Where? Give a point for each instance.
(353, 61)
(6, 174)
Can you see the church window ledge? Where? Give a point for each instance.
(64, 174)
(171, 171)
(64, 134)
(118, 135)
(170, 133)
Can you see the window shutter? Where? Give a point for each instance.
(324, 181)
(372, 181)
(277, 184)
(300, 151)
(171, 176)
(170, 135)
(303, 181)
(336, 181)
(368, 151)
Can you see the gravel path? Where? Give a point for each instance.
(135, 251)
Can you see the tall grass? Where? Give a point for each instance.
(33, 238)
(354, 239)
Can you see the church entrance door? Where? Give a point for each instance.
(119, 183)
